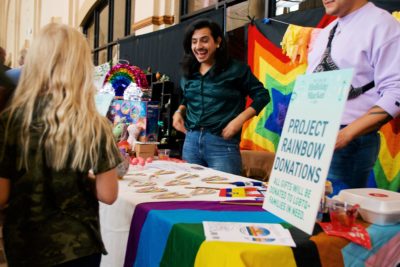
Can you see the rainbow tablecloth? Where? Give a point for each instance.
(171, 234)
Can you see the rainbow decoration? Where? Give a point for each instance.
(121, 75)
(274, 70)
(255, 231)
(386, 172)
(278, 74)
(396, 15)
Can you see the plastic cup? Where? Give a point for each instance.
(343, 215)
(163, 154)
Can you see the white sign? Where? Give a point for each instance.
(306, 147)
(100, 73)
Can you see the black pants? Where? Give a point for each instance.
(88, 261)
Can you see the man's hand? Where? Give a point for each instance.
(235, 125)
(370, 121)
(232, 128)
(345, 136)
(179, 122)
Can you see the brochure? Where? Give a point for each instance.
(260, 233)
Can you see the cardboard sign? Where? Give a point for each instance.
(306, 147)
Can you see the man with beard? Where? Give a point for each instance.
(213, 108)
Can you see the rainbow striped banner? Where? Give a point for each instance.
(278, 75)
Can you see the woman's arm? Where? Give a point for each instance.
(107, 186)
(4, 191)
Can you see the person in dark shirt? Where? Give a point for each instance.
(6, 88)
(213, 108)
(51, 138)
(3, 58)
(15, 73)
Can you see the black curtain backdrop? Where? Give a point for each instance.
(162, 50)
(389, 5)
(274, 31)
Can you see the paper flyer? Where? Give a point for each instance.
(103, 102)
(259, 233)
(100, 73)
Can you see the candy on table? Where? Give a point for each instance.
(161, 172)
(141, 184)
(135, 174)
(203, 191)
(186, 176)
(177, 182)
(214, 178)
(170, 195)
(151, 189)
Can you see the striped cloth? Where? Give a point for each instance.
(171, 234)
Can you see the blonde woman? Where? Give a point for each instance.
(50, 137)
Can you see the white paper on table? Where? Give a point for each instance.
(259, 233)
(100, 73)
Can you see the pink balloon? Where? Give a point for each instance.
(134, 161)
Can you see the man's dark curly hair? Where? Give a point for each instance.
(189, 62)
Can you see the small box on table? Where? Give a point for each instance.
(377, 206)
(145, 150)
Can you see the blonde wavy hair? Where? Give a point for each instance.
(59, 68)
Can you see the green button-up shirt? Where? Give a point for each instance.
(212, 101)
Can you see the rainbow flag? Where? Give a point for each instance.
(386, 172)
(171, 234)
(278, 75)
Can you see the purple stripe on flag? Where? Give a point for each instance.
(141, 211)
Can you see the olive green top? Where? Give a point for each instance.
(52, 216)
(213, 100)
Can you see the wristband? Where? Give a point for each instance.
(178, 111)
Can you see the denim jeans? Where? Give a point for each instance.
(351, 165)
(209, 150)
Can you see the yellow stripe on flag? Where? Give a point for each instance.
(390, 165)
(250, 133)
(266, 68)
(235, 254)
